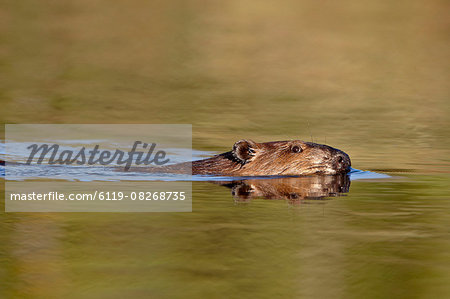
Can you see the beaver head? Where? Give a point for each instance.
(294, 157)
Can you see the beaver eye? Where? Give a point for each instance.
(296, 149)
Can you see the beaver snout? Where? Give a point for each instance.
(342, 162)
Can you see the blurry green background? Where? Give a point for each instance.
(368, 77)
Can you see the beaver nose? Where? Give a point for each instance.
(342, 161)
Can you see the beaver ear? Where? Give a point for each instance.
(244, 150)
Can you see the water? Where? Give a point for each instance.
(369, 78)
(383, 231)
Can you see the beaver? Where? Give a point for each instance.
(277, 158)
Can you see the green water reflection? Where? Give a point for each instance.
(382, 240)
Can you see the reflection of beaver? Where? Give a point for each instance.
(249, 158)
(290, 188)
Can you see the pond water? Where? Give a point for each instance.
(386, 232)
(367, 77)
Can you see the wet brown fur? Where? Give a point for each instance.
(249, 158)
